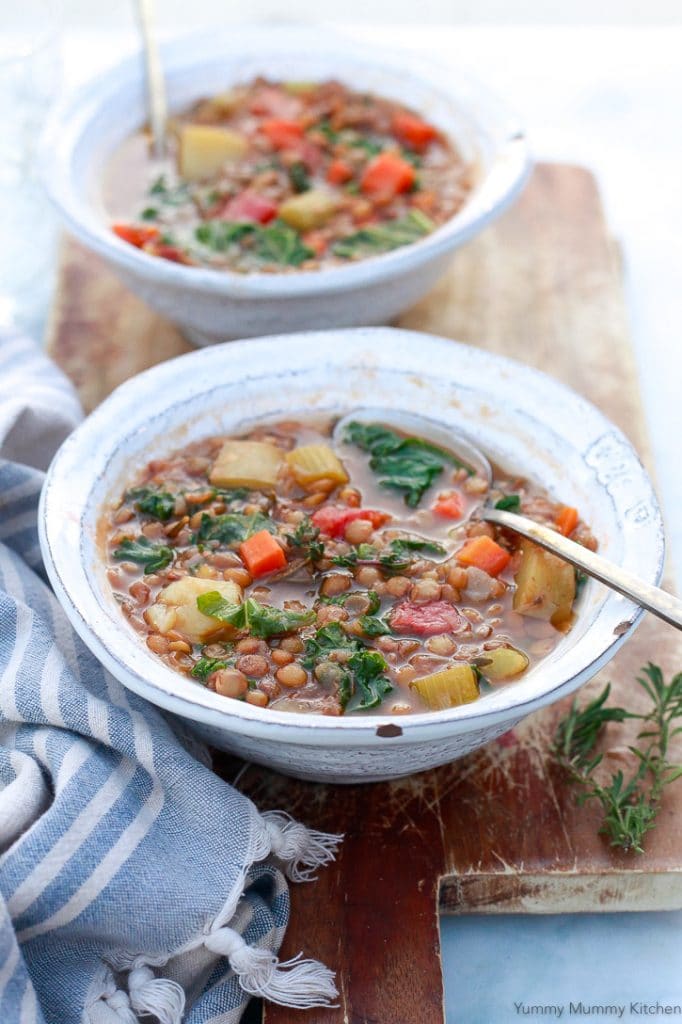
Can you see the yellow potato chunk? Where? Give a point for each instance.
(204, 148)
(176, 608)
(545, 586)
(309, 210)
(252, 464)
(504, 663)
(314, 462)
(449, 688)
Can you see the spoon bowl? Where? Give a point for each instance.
(414, 425)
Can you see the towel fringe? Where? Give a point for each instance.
(147, 995)
(302, 850)
(115, 998)
(157, 997)
(301, 984)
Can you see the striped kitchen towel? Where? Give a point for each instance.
(134, 883)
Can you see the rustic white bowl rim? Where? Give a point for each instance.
(153, 403)
(65, 150)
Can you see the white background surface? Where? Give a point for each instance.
(611, 99)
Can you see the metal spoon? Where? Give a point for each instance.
(655, 600)
(156, 86)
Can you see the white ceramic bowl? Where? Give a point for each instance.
(211, 305)
(525, 420)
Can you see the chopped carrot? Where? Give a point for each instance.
(316, 240)
(413, 130)
(135, 234)
(566, 520)
(387, 175)
(424, 201)
(283, 134)
(449, 506)
(262, 554)
(339, 172)
(484, 553)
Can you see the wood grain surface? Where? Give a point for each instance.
(498, 831)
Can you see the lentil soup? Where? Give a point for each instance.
(282, 176)
(295, 573)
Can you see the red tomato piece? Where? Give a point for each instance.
(332, 520)
(135, 234)
(412, 130)
(387, 175)
(449, 506)
(339, 172)
(282, 134)
(167, 252)
(425, 619)
(272, 101)
(249, 206)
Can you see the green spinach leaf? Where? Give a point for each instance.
(378, 238)
(407, 464)
(261, 620)
(206, 666)
(219, 235)
(509, 503)
(232, 528)
(278, 243)
(158, 504)
(142, 551)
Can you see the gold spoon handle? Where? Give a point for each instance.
(156, 86)
(655, 600)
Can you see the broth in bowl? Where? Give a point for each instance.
(302, 572)
(281, 176)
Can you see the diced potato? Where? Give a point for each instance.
(176, 608)
(224, 102)
(448, 689)
(299, 88)
(308, 210)
(504, 663)
(252, 464)
(314, 462)
(545, 586)
(204, 148)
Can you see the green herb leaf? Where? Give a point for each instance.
(142, 551)
(220, 235)
(401, 552)
(327, 639)
(261, 620)
(306, 538)
(278, 243)
(158, 504)
(629, 805)
(206, 666)
(172, 195)
(232, 528)
(407, 464)
(298, 176)
(378, 238)
(509, 503)
(372, 625)
(371, 685)
(363, 684)
(340, 599)
(149, 213)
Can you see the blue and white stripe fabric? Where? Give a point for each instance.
(133, 881)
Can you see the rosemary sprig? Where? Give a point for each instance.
(629, 805)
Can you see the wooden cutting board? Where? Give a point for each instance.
(499, 831)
